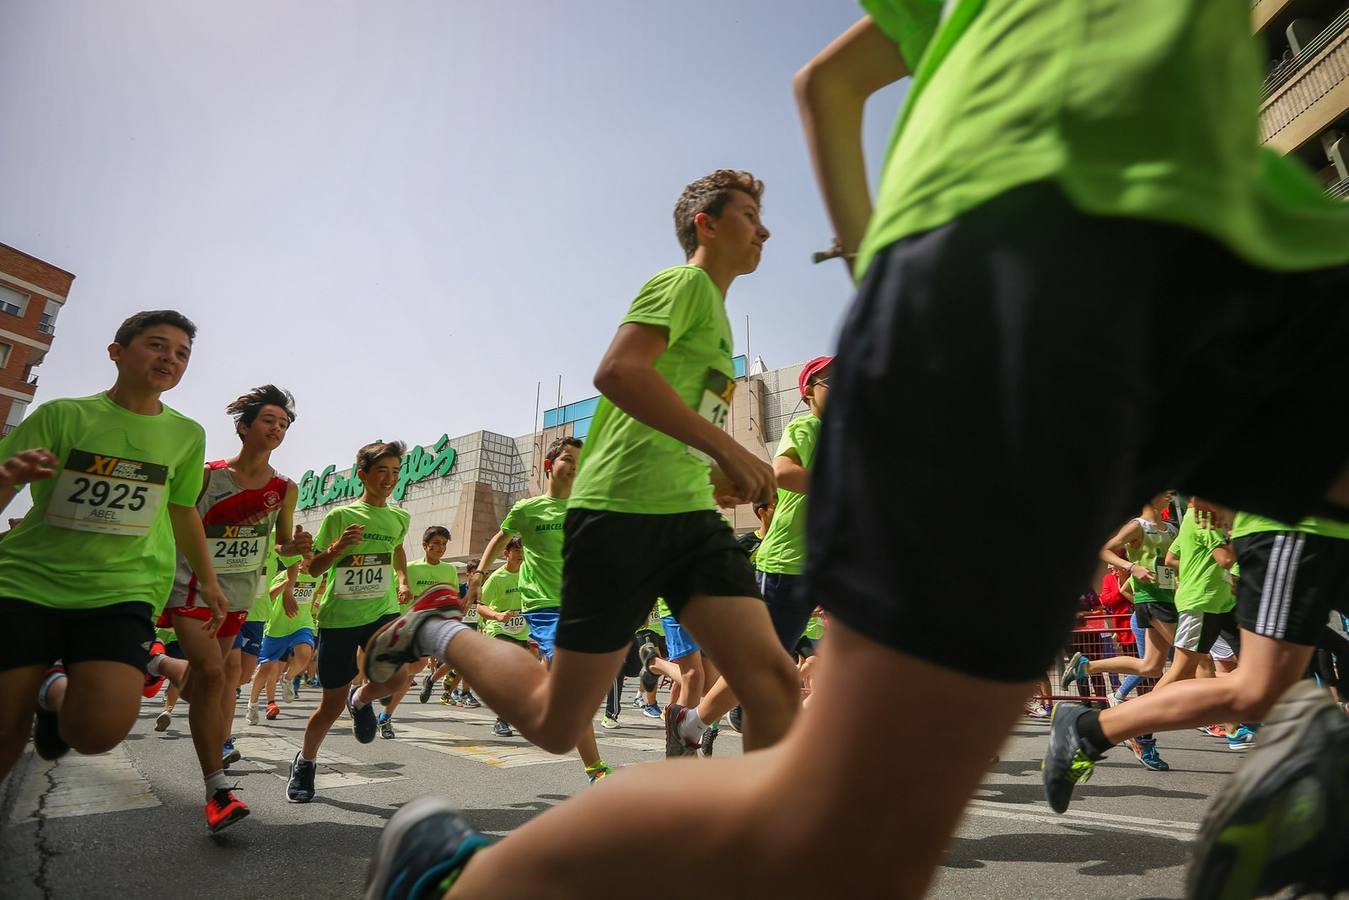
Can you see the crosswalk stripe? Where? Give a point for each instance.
(335, 770)
(1181, 831)
(501, 755)
(82, 786)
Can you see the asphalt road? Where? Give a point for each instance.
(130, 822)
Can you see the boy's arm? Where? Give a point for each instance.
(297, 540)
(1112, 554)
(21, 468)
(831, 92)
(628, 378)
(790, 473)
(190, 537)
(400, 569)
(495, 547)
(1172, 560)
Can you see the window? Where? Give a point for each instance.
(12, 301)
(4, 355)
(47, 324)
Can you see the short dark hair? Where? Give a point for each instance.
(143, 321)
(435, 531)
(374, 451)
(760, 507)
(709, 195)
(245, 408)
(556, 447)
(515, 543)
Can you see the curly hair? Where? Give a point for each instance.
(709, 195)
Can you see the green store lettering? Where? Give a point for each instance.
(331, 486)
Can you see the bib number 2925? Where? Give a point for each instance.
(107, 494)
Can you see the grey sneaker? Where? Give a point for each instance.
(1065, 762)
(1076, 670)
(391, 648)
(363, 721)
(675, 745)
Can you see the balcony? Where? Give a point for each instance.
(1309, 92)
(47, 324)
(12, 308)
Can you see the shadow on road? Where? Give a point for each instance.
(1101, 852)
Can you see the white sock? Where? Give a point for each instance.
(691, 727)
(302, 758)
(45, 688)
(215, 781)
(357, 700)
(153, 665)
(433, 638)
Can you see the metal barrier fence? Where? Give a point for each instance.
(1097, 636)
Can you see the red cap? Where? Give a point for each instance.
(810, 370)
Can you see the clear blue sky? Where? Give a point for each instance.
(406, 213)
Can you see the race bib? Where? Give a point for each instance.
(1166, 578)
(715, 405)
(515, 625)
(303, 593)
(236, 548)
(471, 617)
(363, 576)
(107, 494)
(653, 619)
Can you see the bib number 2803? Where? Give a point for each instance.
(363, 576)
(107, 494)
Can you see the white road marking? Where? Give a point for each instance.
(335, 770)
(1181, 831)
(82, 786)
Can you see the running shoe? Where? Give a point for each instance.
(651, 711)
(421, 852)
(386, 727)
(1283, 818)
(392, 648)
(469, 701)
(1241, 739)
(224, 809)
(228, 755)
(709, 738)
(1146, 753)
(427, 687)
(1113, 698)
(456, 699)
(153, 682)
(1076, 670)
(313, 681)
(675, 745)
(736, 718)
(300, 788)
(163, 719)
(446, 700)
(1066, 761)
(501, 729)
(290, 690)
(363, 724)
(272, 710)
(251, 715)
(599, 772)
(47, 740)
(646, 653)
(608, 722)
(638, 701)
(1213, 731)
(1035, 709)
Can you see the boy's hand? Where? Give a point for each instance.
(30, 465)
(299, 543)
(744, 478)
(1147, 577)
(404, 593)
(289, 605)
(351, 536)
(218, 603)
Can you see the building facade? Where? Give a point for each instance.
(468, 483)
(32, 293)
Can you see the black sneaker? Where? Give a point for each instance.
(425, 845)
(648, 678)
(709, 738)
(47, 740)
(470, 701)
(1065, 762)
(501, 729)
(363, 723)
(1283, 817)
(427, 687)
(300, 788)
(736, 718)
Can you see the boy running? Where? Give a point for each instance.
(423, 574)
(361, 555)
(114, 479)
(500, 608)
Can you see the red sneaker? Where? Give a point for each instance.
(153, 682)
(223, 810)
(273, 710)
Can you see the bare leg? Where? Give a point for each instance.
(691, 681)
(206, 691)
(18, 696)
(1160, 637)
(1183, 668)
(781, 805)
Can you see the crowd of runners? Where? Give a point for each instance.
(1042, 250)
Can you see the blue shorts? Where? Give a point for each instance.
(249, 639)
(543, 630)
(677, 640)
(277, 649)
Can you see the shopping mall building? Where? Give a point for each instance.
(468, 483)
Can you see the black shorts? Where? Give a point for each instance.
(1147, 613)
(1290, 581)
(40, 635)
(1197, 631)
(974, 371)
(615, 566)
(789, 605)
(503, 636)
(337, 651)
(805, 648)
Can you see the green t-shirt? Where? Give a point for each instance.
(422, 575)
(1151, 555)
(630, 467)
(361, 585)
(1142, 108)
(783, 550)
(501, 592)
(538, 521)
(99, 532)
(262, 608)
(814, 628)
(1249, 523)
(1203, 585)
(281, 625)
(653, 622)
